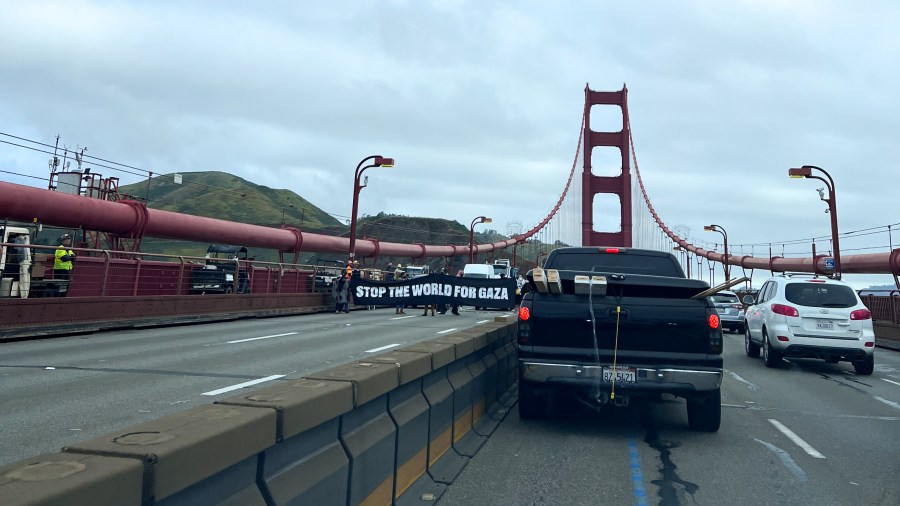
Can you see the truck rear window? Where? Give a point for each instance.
(617, 263)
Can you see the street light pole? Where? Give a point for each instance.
(806, 172)
(480, 219)
(719, 229)
(377, 161)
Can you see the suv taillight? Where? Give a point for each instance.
(524, 326)
(785, 310)
(861, 314)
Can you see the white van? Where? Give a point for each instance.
(483, 271)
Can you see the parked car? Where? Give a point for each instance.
(731, 311)
(807, 316)
(417, 271)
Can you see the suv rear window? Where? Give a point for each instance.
(720, 298)
(820, 295)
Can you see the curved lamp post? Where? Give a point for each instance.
(806, 172)
(719, 229)
(480, 219)
(377, 161)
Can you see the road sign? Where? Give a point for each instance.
(829, 263)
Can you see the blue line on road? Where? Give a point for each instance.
(637, 477)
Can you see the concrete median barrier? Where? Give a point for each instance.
(63, 479)
(309, 465)
(176, 450)
(396, 428)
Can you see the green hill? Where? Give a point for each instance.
(228, 197)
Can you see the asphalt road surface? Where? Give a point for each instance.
(59, 391)
(808, 433)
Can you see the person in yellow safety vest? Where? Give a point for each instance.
(65, 258)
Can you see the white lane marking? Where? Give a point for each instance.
(786, 459)
(889, 403)
(751, 386)
(244, 384)
(796, 439)
(375, 350)
(263, 337)
(445, 331)
(482, 321)
(403, 317)
(891, 381)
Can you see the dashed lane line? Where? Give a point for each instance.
(786, 459)
(262, 337)
(445, 331)
(376, 350)
(404, 317)
(796, 439)
(891, 381)
(244, 384)
(889, 403)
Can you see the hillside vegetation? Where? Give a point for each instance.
(228, 197)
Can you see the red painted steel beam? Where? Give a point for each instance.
(128, 218)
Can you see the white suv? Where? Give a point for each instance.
(806, 316)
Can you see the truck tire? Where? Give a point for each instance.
(751, 349)
(705, 413)
(531, 405)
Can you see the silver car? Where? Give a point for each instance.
(806, 316)
(731, 311)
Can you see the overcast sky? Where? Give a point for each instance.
(479, 102)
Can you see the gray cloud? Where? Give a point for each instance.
(479, 102)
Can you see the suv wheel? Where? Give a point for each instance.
(750, 348)
(771, 357)
(865, 367)
(705, 413)
(531, 405)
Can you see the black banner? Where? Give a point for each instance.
(436, 289)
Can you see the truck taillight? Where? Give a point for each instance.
(524, 314)
(524, 323)
(861, 314)
(715, 331)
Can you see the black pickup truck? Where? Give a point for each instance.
(616, 324)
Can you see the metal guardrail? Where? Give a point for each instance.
(108, 273)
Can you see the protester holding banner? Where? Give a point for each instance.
(400, 275)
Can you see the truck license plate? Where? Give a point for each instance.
(621, 374)
(824, 325)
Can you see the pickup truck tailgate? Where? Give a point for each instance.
(644, 323)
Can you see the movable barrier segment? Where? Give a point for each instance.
(300, 405)
(62, 479)
(410, 365)
(176, 449)
(465, 442)
(463, 344)
(444, 464)
(481, 424)
(442, 353)
(231, 487)
(502, 377)
(309, 466)
(478, 335)
(370, 380)
(490, 384)
(409, 411)
(369, 438)
(512, 375)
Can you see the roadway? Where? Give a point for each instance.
(808, 433)
(63, 390)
